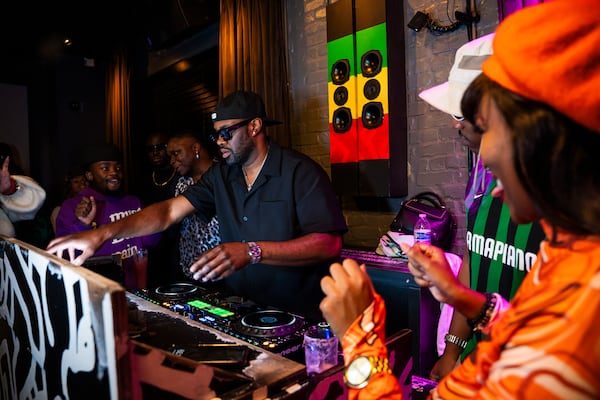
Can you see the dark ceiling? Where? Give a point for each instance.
(96, 27)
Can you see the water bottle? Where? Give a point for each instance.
(422, 230)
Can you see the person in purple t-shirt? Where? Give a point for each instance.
(102, 202)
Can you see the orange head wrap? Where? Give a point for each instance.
(550, 53)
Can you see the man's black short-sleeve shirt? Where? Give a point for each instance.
(291, 197)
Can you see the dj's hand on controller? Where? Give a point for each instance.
(222, 261)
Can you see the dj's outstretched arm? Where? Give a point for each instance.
(155, 218)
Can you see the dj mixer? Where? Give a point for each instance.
(273, 330)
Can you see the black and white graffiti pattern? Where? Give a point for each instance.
(53, 339)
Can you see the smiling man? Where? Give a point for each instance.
(102, 202)
(280, 221)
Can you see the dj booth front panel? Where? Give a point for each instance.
(150, 344)
(63, 329)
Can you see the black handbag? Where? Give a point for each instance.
(443, 226)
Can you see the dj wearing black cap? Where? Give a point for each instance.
(280, 222)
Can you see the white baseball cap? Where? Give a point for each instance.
(467, 66)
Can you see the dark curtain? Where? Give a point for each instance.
(118, 119)
(253, 56)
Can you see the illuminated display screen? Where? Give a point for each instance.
(218, 311)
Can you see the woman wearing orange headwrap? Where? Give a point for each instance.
(541, 138)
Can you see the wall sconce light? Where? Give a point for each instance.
(419, 21)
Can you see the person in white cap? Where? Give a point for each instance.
(487, 218)
(20, 196)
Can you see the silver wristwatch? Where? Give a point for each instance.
(255, 252)
(362, 368)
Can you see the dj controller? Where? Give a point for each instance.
(274, 330)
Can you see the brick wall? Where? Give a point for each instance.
(436, 159)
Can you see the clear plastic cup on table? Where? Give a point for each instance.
(321, 348)
(135, 270)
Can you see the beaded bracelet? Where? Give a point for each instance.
(479, 322)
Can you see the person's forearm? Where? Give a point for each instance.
(154, 218)
(461, 329)
(458, 325)
(309, 249)
(457, 334)
(467, 301)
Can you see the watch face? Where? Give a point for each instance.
(255, 252)
(358, 372)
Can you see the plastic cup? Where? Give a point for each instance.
(140, 261)
(320, 348)
(135, 270)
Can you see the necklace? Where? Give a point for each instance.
(162, 183)
(248, 183)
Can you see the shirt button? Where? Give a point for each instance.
(245, 219)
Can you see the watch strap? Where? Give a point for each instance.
(380, 364)
(450, 338)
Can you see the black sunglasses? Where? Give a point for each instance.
(227, 133)
(156, 147)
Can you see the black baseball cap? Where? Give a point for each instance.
(99, 152)
(241, 105)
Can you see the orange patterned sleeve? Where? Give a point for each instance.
(366, 337)
(546, 345)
